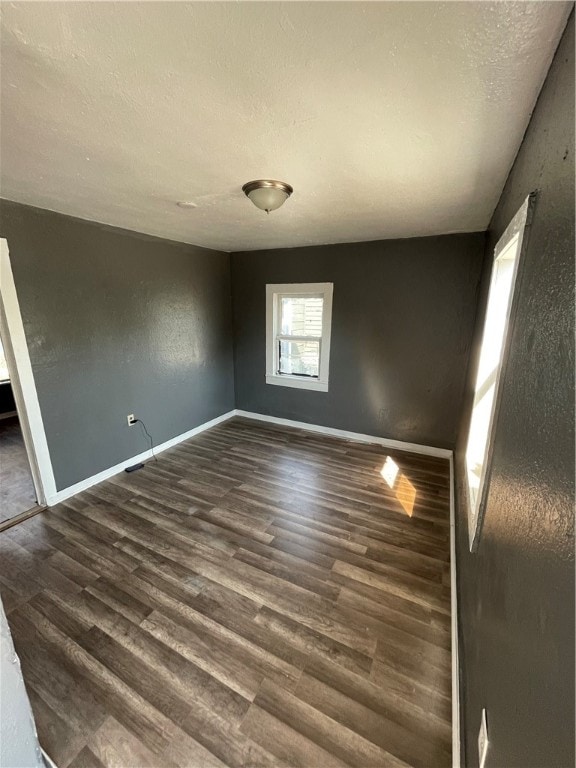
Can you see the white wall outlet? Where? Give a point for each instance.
(131, 419)
(483, 740)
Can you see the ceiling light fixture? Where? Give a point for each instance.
(267, 194)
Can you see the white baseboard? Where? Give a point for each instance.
(426, 450)
(399, 445)
(454, 625)
(393, 444)
(83, 485)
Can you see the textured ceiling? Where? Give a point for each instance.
(390, 119)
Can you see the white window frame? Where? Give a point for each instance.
(514, 235)
(273, 294)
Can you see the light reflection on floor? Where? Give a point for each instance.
(404, 490)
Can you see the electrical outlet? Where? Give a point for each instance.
(131, 419)
(483, 740)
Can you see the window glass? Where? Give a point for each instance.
(490, 360)
(300, 358)
(301, 316)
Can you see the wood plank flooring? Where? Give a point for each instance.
(258, 596)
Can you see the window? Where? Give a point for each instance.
(491, 363)
(298, 321)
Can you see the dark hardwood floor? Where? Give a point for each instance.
(259, 596)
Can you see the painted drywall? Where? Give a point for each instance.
(402, 320)
(390, 119)
(19, 746)
(118, 323)
(516, 595)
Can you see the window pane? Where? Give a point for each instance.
(300, 358)
(301, 316)
(495, 324)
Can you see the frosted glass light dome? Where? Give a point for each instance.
(267, 194)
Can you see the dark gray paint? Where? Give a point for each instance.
(118, 323)
(516, 595)
(402, 323)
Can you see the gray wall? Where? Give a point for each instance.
(402, 323)
(516, 595)
(118, 323)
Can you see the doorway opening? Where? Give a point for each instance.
(26, 475)
(17, 492)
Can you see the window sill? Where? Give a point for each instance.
(297, 383)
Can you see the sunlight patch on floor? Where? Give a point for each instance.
(404, 490)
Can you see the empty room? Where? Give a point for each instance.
(287, 384)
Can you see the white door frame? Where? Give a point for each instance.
(22, 380)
